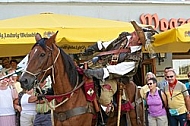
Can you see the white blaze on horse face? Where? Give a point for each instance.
(35, 51)
(31, 56)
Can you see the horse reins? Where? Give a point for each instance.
(70, 93)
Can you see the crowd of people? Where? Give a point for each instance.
(21, 107)
(167, 103)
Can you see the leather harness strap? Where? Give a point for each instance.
(62, 116)
(137, 107)
(114, 51)
(138, 101)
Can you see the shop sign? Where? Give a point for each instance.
(162, 24)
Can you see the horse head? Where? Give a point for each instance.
(40, 62)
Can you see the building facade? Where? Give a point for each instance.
(163, 14)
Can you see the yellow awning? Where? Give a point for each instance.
(173, 40)
(75, 32)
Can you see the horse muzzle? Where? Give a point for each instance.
(27, 82)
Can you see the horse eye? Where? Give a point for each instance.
(42, 54)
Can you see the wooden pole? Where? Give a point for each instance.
(119, 104)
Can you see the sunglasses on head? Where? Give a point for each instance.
(170, 76)
(149, 84)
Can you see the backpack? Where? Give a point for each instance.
(159, 92)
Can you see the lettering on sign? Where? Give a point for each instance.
(75, 47)
(162, 24)
(17, 35)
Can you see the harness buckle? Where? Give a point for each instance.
(61, 116)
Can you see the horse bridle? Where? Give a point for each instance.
(44, 71)
(77, 86)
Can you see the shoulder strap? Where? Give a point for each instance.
(160, 94)
(146, 99)
(147, 94)
(20, 94)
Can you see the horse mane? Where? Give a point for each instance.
(69, 66)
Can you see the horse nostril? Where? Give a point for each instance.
(24, 81)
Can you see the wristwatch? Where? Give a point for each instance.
(188, 112)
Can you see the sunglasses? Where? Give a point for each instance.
(149, 84)
(188, 75)
(169, 76)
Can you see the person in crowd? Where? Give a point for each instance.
(13, 64)
(145, 88)
(43, 116)
(164, 82)
(143, 92)
(14, 78)
(17, 106)
(16, 101)
(156, 102)
(6, 65)
(187, 84)
(8, 94)
(28, 105)
(178, 100)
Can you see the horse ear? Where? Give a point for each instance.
(52, 39)
(38, 37)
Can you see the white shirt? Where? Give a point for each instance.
(6, 103)
(27, 108)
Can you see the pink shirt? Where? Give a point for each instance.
(155, 106)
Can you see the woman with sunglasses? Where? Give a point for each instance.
(156, 102)
(178, 100)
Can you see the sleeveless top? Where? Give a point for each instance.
(155, 106)
(27, 108)
(6, 105)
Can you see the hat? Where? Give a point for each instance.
(140, 32)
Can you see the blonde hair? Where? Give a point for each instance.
(149, 73)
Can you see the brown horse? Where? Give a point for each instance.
(45, 59)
